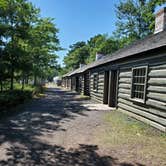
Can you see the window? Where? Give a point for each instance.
(95, 82)
(139, 77)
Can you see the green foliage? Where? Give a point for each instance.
(101, 44)
(26, 88)
(94, 44)
(43, 44)
(77, 55)
(135, 19)
(85, 52)
(63, 71)
(12, 98)
(27, 43)
(9, 99)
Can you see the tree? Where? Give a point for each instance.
(85, 52)
(135, 19)
(109, 46)
(27, 42)
(101, 44)
(94, 43)
(78, 54)
(16, 16)
(43, 44)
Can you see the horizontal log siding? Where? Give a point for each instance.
(97, 95)
(153, 111)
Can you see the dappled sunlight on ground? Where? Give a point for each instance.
(55, 130)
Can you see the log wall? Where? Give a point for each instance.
(99, 93)
(86, 84)
(153, 111)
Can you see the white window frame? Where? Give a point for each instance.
(133, 97)
(95, 81)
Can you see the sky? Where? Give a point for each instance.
(78, 20)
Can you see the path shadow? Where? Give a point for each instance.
(45, 115)
(42, 154)
(42, 115)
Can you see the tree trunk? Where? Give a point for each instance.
(23, 83)
(26, 79)
(12, 78)
(1, 84)
(12, 62)
(35, 80)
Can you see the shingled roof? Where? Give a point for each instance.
(149, 43)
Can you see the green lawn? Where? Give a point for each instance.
(133, 139)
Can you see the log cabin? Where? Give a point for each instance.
(132, 80)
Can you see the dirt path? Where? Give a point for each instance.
(57, 130)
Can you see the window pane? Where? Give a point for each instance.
(138, 84)
(95, 82)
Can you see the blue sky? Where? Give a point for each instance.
(78, 20)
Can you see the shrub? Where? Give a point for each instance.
(13, 98)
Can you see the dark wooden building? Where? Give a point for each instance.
(132, 79)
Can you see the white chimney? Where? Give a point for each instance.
(82, 65)
(160, 21)
(99, 56)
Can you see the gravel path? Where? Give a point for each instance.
(55, 130)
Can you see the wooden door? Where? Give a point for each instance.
(77, 84)
(87, 84)
(112, 101)
(106, 87)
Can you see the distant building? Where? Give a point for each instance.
(57, 80)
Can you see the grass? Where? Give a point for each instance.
(123, 133)
(10, 99)
(27, 87)
(84, 97)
